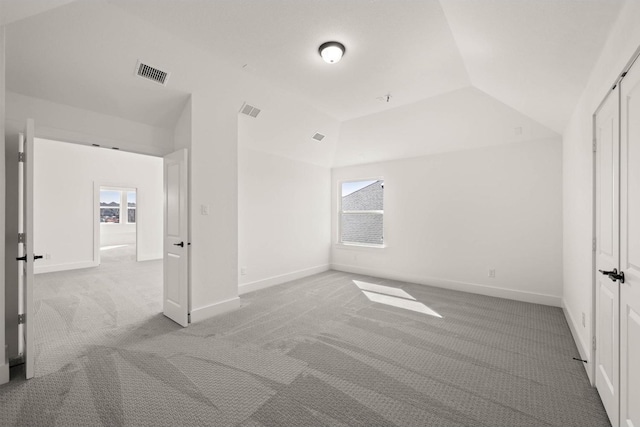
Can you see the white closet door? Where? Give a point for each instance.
(607, 253)
(630, 249)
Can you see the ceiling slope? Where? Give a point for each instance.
(463, 119)
(535, 56)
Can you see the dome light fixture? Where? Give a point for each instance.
(331, 52)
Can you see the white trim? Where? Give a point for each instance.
(38, 269)
(150, 257)
(584, 351)
(474, 288)
(203, 313)
(4, 373)
(352, 246)
(283, 278)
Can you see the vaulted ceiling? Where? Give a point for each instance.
(491, 65)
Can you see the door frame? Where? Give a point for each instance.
(96, 197)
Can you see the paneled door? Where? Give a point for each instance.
(176, 249)
(630, 249)
(607, 253)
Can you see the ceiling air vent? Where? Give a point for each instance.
(151, 73)
(318, 137)
(249, 110)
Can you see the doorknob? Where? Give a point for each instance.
(35, 257)
(616, 277)
(181, 244)
(613, 275)
(22, 258)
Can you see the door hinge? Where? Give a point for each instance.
(21, 319)
(21, 237)
(593, 244)
(594, 343)
(21, 157)
(595, 146)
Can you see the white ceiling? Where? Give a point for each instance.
(509, 61)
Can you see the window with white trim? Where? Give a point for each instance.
(362, 212)
(117, 206)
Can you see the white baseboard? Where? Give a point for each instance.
(63, 267)
(583, 349)
(4, 373)
(203, 313)
(150, 257)
(474, 288)
(277, 280)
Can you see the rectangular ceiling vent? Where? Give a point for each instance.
(318, 137)
(152, 73)
(249, 110)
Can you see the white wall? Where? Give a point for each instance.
(283, 219)
(65, 123)
(450, 217)
(578, 179)
(65, 205)
(118, 234)
(4, 362)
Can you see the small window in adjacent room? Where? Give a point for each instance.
(117, 206)
(110, 206)
(131, 207)
(362, 212)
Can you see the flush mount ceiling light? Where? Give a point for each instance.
(331, 52)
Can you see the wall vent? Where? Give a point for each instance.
(249, 110)
(152, 73)
(318, 137)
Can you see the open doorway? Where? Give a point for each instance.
(118, 224)
(98, 222)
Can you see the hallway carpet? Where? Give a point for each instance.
(333, 349)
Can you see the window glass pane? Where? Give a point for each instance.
(131, 199)
(131, 217)
(110, 198)
(110, 215)
(363, 228)
(363, 196)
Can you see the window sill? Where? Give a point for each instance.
(358, 246)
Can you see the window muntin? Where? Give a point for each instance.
(362, 212)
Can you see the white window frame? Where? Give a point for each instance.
(340, 212)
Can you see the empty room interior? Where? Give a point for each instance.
(324, 212)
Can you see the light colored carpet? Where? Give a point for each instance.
(313, 352)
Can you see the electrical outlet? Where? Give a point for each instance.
(204, 209)
(492, 273)
(243, 271)
(584, 323)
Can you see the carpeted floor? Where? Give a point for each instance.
(318, 351)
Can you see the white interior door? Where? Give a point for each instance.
(630, 249)
(25, 230)
(176, 246)
(607, 253)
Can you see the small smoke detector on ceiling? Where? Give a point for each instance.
(318, 137)
(249, 110)
(154, 74)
